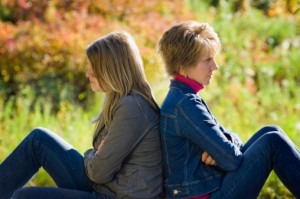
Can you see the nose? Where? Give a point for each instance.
(214, 65)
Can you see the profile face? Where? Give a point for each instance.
(93, 81)
(203, 71)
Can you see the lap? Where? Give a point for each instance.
(270, 148)
(249, 178)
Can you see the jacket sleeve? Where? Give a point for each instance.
(201, 128)
(125, 132)
(233, 137)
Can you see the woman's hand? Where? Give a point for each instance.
(100, 146)
(207, 159)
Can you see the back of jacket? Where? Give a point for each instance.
(187, 130)
(130, 161)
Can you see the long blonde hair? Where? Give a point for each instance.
(118, 68)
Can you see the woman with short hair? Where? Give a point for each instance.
(201, 158)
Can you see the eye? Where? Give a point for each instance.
(209, 59)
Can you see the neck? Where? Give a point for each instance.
(191, 83)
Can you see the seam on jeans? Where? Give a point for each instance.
(229, 192)
(275, 147)
(82, 176)
(21, 157)
(10, 169)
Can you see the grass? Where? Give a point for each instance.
(72, 123)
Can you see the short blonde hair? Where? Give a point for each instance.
(184, 44)
(119, 70)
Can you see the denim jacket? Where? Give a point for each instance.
(187, 130)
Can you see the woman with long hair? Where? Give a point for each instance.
(125, 160)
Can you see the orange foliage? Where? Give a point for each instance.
(42, 41)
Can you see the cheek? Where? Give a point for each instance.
(97, 84)
(202, 71)
(208, 68)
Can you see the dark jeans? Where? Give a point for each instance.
(269, 149)
(42, 148)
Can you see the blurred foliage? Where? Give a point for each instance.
(269, 7)
(42, 43)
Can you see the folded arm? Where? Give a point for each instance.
(124, 133)
(201, 128)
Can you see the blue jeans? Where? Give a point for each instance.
(42, 148)
(269, 149)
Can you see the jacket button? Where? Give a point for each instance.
(175, 191)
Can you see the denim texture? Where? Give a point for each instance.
(188, 128)
(42, 148)
(268, 149)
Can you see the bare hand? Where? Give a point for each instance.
(207, 159)
(100, 146)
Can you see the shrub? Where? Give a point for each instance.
(43, 42)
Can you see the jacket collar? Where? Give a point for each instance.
(193, 84)
(181, 86)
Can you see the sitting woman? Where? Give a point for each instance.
(126, 159)
(201, 158)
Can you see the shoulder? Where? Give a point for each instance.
(191, 104)
(188, 99)
(133, 104)
(132, 100)
(127, 100)
(127, 105)
(177, 104)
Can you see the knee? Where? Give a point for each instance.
(272, 128)
(39, 133)
(21, 194)
(275, 138)
(38, 130)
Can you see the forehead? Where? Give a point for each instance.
(207, 52)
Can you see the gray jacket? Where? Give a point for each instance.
(129, 164)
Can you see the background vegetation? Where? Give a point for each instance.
(42, 64)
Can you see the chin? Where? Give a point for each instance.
(94, 89)
(98, 90)
(207, 83)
